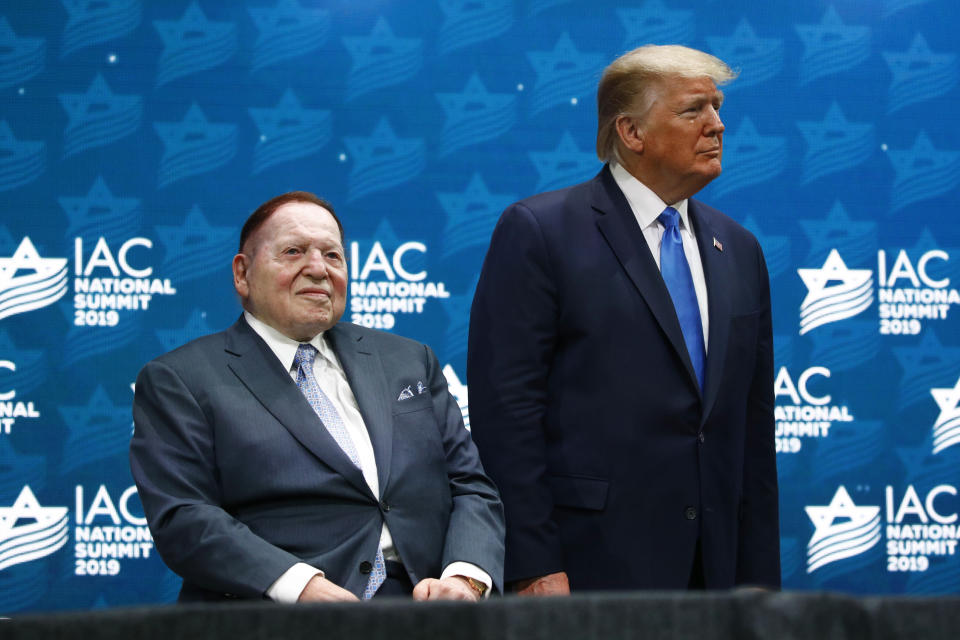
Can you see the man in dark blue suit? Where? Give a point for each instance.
(296, 457)
(620, 359)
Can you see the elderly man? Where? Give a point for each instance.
(620, 358)
(296, 457)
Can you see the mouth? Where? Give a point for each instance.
(314, 292)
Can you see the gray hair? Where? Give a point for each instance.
(628, 85)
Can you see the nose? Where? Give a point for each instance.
(714, 124)
(316, 266)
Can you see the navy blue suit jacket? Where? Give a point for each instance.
(240, 480)
(610, 461)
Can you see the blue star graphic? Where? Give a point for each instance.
(562, 61)
(655, 22)
(20, 58)
(835, 143)
(923, 467)
(98, 430)
(776, 249)
(289, 131)
(98, 116)
(563, 166)
(925, 366)
(193, 43)
(18, 469)
(192, 27)
(382, 144)
(99, 211)
(831, 46)
(919, 74)
(857, 241)
(288, 116)
(21, 161)
(922, 172)
(917, 60)
(194, 145)
(381, 59)
(475, 116)
(288, 16)
(761, 58)
(471, 215)
(287, 31)
(467, 22)
(750, 158)
(194, 130)
(383, 159)
(195, 247)
(90, 22)
(474, 99)
(195, 327)
(97, 103)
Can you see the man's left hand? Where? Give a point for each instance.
(451, 588)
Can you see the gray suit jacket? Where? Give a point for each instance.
(240, 480)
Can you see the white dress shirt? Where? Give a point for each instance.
(329, 374)
(647, 207)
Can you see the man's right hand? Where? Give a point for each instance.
(552, 584)
(320, 589)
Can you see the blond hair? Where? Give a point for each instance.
(628, 85)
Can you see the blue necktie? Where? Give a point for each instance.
(306, 353)
(676, 275)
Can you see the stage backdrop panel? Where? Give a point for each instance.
(136, 136)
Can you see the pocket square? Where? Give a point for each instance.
(407, 393)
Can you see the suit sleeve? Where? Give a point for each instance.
(476, 527)
(513, 333)
(173, 463)
(758, 553)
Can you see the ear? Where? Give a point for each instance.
(630, 134)
(241, 267)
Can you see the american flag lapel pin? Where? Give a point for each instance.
(717, 244)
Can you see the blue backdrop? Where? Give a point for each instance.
(136, 136)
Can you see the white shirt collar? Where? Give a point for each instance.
(286, 348)
(645, 204)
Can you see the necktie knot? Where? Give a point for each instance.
(306, 353)
(670, 218)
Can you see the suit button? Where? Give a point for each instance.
(690, 513)
(365, 567)
(700, 437)
(385, 506)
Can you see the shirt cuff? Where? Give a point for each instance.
(468, 570)
(288, 587)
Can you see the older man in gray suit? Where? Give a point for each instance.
(298, 458)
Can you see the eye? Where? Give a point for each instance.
(334, 256)
(291, 251)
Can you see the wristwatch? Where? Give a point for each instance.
(477, 586)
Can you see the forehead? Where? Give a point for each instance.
(680, 87)
(304, 220)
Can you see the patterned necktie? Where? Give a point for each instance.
(306, 353)
(676, 274)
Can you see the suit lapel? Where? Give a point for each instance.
(364, 371)
(621, 231)
(261, 372)
(716, 270)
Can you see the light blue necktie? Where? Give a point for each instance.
(676, 274)
(306, 353)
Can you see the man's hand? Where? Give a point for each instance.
(320, 589)
(552, 584)
(450, 588)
